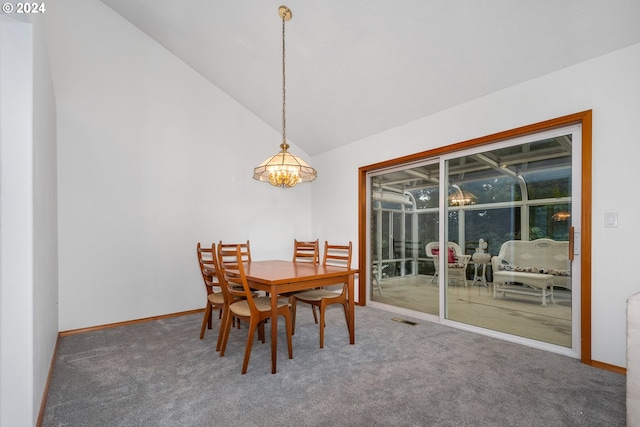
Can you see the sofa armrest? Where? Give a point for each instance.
(496, 261)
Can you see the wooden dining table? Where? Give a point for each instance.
(277, 277)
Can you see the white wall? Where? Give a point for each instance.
(609, 85)
(152, 158)
(28, 221)
(16, 227)
(45, 216)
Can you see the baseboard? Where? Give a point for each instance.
(128, 322)
(45, 393)
(608, 367)
(43, 402)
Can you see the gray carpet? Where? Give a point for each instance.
(159, 373)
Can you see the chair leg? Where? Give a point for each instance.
(345, 305)
(313, 310)
(261, 335)
(322, 307)
(293, 315)
(225, 336)
(207, 318)
(375, 279)
(247, 351)
(287, 322)
(224, 313)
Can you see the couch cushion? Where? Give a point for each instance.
(541, 270)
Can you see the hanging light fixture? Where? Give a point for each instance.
(284, 169)
(461, 198)
(561, 216)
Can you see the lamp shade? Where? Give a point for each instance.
(461, 198)
(284, 170)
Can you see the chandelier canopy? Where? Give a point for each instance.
(284, 169)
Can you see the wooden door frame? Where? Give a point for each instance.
(584, 119)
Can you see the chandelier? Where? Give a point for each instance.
(461, 197)
(284, 169)
(561, 216)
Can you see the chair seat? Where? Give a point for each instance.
(316, 295)
(216, 298)
(241, 308)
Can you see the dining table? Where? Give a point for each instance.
(277, 277)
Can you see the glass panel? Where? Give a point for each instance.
(551, 221)
(404, 218)
(515, 194)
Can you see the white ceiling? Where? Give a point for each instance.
(358, 67)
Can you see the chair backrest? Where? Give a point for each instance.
(211, 272)
(306, 251)
(454, 251)
(339, 255)
(232, 275)
(245, 249)
(208, 266)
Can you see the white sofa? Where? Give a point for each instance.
(538, 265)
(633, 360)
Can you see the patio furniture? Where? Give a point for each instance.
(480, 259)
(457, 261)
(537, 265)
(375, 272)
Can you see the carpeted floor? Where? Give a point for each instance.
(159, 373)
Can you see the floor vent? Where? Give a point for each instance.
(408, 322)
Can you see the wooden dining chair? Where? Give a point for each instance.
(207, 260)
(216, 298)
(339, 255)
(245, 249)
(246, 306)
(306, 251)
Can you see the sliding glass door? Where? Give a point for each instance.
(437, 225)
(403, 215)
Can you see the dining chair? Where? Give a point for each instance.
(207, 260)
(245, 249)
(339, 255)
(244, 304)
(305, 252)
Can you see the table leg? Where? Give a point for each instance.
(352, 319)
(484, 275)
(274, 329)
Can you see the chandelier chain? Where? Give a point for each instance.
(284, 169)
(284, 90)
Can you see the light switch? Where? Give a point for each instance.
(611, 219)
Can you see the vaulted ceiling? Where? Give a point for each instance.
(359, 67)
